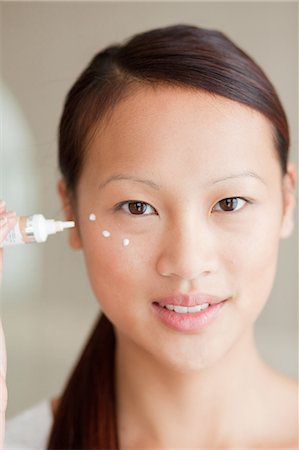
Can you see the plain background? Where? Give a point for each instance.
(47, 306)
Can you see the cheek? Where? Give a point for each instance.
(118, 267)
(254, 265)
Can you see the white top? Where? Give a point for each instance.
(30, 429)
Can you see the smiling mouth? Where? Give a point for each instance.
(188, 318)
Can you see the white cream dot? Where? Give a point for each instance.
(106, 233)
(126, 242)
(92, 217)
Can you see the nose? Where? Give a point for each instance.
(188, 252)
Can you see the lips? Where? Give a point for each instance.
(188, 312)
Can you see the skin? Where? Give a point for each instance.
(213, 382)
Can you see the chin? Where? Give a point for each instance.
(192, 359)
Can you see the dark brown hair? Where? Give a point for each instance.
(184, 56)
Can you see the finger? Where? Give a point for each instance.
(7, 222)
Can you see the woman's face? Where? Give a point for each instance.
(158, 174)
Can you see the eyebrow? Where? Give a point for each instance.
(243, 174)
(120, 176)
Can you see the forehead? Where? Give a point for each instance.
(168, 127)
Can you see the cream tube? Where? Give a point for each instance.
(34, 229)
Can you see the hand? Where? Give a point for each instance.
(7, 222)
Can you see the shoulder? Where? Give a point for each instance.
(29, 429)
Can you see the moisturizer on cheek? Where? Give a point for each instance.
(126, 242)
(105, 233)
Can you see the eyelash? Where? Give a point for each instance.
(120, 206)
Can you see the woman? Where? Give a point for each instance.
(173, 149)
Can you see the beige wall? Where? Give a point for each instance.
(46, 303)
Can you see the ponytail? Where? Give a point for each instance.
(86, 416)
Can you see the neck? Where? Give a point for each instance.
(152, 398)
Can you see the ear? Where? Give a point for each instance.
(69, 214)
(288, 192)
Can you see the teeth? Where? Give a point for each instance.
(185, 309)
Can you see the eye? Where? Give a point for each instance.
(230, 204)
(136, 208)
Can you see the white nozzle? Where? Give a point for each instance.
(68, 224)
(53, 226)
